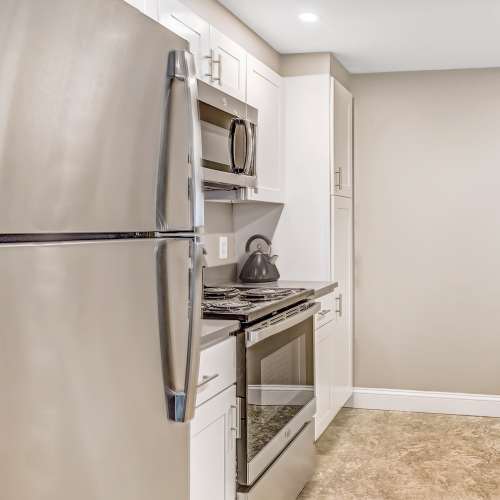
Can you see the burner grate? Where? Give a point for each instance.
(265, 294)
(226, 306)
(220, 293)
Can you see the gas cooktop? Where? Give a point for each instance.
(248, 304)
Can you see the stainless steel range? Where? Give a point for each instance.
(275, 386)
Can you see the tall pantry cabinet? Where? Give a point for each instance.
(314, 237)
(342, 226)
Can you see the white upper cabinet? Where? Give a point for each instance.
(220, 61)
(342, 147)
(227, 65)
(182, 21)
(148, 7)
(264, 92)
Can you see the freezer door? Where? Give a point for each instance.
(85, 369)
(98, 130)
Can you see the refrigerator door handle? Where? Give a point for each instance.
(181, 147)
(180, 336)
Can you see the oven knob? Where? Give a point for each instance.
(288, 433)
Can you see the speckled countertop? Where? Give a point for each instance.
(214, 331)
(320, 288)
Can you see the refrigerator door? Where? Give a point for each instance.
(85, 367)
(99, 129)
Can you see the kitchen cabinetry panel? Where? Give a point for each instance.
(342, 246)
(217, 369)
(183, 22)
(304, 225)
(213, 448)
(148, 7)
(220, 61)
(264, 92)
(333, 368)
(228, 65)
(324, 377)
(342, 146)
(342, 366)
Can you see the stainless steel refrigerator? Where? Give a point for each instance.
(100, 263)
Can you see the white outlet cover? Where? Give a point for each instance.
(223, 252)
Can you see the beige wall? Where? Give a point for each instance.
(287, 64)
(314, 63)
(428, 230)
(217, 15)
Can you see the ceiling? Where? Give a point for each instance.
(382, 35)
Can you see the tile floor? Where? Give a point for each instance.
(375, 455)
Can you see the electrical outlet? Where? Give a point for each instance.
(223, 247)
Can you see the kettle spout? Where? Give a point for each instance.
(273, 259)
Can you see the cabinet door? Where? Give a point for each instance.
(343, 273)
(213, 448)
(148, 7)
(342, 140)
(324, 377)
(228, 65)
(342, 366)
(264, 88)
(183, 22)
(138, 4)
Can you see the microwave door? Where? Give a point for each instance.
(241, 146)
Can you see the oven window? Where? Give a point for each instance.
(280, 382)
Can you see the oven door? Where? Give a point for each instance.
(276, 385)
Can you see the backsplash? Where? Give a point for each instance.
(219, 224)
(236, 222)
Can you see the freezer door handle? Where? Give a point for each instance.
(180, 204)
(179, 305)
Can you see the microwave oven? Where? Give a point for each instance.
(228, 135)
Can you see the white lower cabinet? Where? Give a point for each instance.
(213, 449)
(324, 377)
(333, 361)
(213, 430)
(341, 365)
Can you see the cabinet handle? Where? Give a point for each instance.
(338, 172)
(236, 427)
(206, 379)
(213, 62)
(339, 308)
(323, 312)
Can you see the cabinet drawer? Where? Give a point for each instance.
(217, 369)
(327, 311)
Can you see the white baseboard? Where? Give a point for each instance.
(452, 403)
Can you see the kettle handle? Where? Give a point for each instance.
(257, 237)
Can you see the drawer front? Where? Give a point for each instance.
(217, 369)
(327, 311)
(288, 475)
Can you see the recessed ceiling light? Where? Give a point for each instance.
(308, 17)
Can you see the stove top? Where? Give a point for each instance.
(248, 304)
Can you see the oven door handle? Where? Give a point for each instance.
(260, 332)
